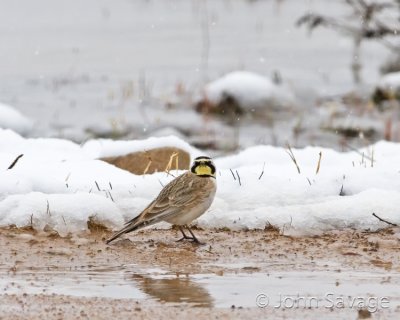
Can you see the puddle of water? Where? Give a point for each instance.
(207, 290)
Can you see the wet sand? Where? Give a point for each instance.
(160, 271)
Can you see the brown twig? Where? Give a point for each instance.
(383, 220)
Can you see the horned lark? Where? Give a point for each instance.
(181, 201)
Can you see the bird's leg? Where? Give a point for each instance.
(194, 237)
(184, 235)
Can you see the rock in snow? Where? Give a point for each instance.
(248, 91)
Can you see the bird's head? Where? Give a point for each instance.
(203, 167)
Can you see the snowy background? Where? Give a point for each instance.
(237, 80)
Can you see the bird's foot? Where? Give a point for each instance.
(184, 238)
(193, 240)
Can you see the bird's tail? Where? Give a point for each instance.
(130, 226)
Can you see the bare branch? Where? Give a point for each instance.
(366, 15)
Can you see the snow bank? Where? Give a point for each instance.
(59, 185)
(102, 148)
(62, 212)
(250, 91)
(11, 118)
(390, 81)
(344, 194)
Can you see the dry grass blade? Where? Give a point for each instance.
(291, 155)
(357, 151)
(67, 177)
(147, 167)
(319, 163)
(169, 165)
(149, 163)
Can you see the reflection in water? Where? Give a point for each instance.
(178, 289)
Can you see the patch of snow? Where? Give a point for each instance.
(110, 148)
(250, 90)
(10, 118)
(59, 185)
(390, 81)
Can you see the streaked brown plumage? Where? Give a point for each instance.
(180, 202)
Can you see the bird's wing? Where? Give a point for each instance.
(179, 194)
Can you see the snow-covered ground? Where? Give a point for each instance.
(60, 185)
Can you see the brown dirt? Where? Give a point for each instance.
(224, 252)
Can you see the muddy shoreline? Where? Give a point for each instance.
(247, 253)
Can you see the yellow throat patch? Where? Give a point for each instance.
(204, 170)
